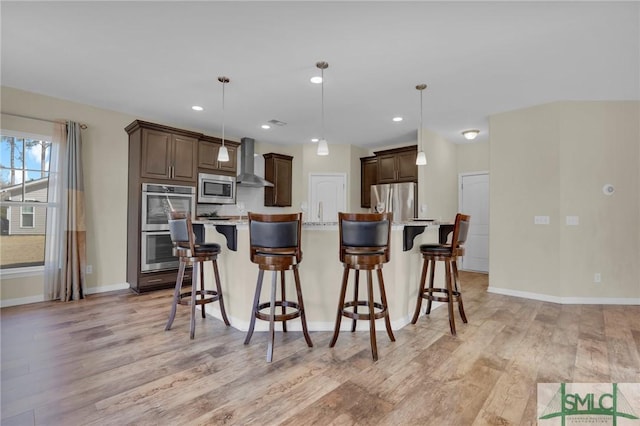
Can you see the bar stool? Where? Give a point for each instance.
(275, 246)
(364, 245)
(182, 236)
(448, 253)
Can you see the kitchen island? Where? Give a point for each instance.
(320, 273)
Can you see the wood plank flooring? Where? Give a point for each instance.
(108, 361)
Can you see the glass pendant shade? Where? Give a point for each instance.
(223, 154)
(421, 159)
(323, 148)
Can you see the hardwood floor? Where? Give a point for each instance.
(108, 361)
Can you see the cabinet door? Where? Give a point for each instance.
(368, 177)
(156, 154)
(208, 157)
(231, 165)
(386, 168)
(407, 169)
(185, 156)
(278, 170)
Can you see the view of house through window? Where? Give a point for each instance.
(24, 179)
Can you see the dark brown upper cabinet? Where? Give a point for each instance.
(278, 170)
(397, 165)
(368, 177)
(208, 148)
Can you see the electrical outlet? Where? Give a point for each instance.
(597, 278)
(89, 269)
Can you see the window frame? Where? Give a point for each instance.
(26, 271)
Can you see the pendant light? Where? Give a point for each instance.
(323, 148)
(421, 158)
(223, 153)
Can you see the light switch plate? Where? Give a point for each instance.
(573, 220)
(541, 220)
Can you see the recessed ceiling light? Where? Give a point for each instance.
(316, 79)
(197, 108)
(315, 140)
(397, 119)
(265, 126)
(470, 134)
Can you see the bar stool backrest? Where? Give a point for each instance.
(181, 230)
(460, 233)
(275, 234)
(365, 233)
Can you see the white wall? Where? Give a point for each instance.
(553, 160)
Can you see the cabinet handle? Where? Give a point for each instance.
(155, 280)
(320, 215)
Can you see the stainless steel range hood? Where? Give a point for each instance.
(247, 177)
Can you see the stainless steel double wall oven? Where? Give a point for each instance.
(155, 245)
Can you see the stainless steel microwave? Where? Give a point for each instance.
(216, 189)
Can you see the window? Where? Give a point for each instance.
(26, 217)
(24, 185)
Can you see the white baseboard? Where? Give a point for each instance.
(566, 300)
(21, 301)
(106, 288)
(40, 297)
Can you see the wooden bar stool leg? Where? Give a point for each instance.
(431, 277)
(452, 321)
(256, 301)
(272, 315)
(176, 294)
(284, 297)
(423, 282)
(202, 293)
(343, 290)
(372, 318)
(355, 301)
(194, 291)
(458, 290)
(383, 296)
(303, 316)
(216, 274)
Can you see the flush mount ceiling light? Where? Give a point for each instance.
(197, 108)
(314, 140)
(316, 79)
(323, 148)
(265, 126)
(397, 119)
(223, 153)
(421, 158)
(470, 134)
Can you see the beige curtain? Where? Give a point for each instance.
(66, 258)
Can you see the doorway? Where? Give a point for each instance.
(327, 196)
(474, 201)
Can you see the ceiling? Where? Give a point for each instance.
(154, 60)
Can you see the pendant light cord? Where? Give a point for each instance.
(223, 84)
(322, 100)
(420, 135)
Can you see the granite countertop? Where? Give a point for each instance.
(318, 225)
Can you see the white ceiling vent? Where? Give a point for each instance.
(277, 122)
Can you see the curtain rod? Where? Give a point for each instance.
(82, 126)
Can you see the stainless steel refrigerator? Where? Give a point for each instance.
(399, 198)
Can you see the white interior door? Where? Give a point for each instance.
(474, 201)
(327, 196)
